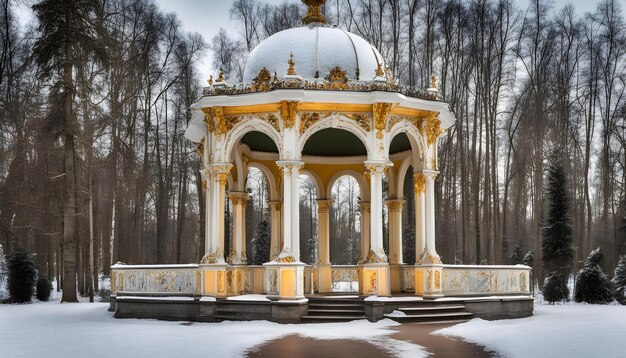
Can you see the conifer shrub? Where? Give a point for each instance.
(619, 280)
(44, 288)
(555, 287)
(592, 284)
(22, 276)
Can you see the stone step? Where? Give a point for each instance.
(330, 306)
(432, 317)
(330, 318)
(431, 309)
(322, 312)
(243, 316)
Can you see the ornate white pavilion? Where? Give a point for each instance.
(318, 100)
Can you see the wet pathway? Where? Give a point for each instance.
(438, 346)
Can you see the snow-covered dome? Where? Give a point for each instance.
(316, 49)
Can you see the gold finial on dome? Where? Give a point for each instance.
(314, 12)
(220, 77)
(433, 81)
(292, 70)
(379, 70)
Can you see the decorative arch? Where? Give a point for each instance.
(336, 121)
(253, 124)
(363, 186)
(268, 175)
(319, 184)
(402, 171)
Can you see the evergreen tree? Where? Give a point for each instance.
(518, 255)
(556, 248)
(528, 259)
(44, 288)
(68, 37)
(262, 243)
(22, 276)
(555, 287)
(619, 280)
(592, 284)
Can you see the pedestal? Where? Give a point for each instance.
(396, 277)
(214, 280)
(429, 280)
(374, 279)
(324, 278)
(284, 281)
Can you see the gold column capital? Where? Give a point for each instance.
(323, 205)
(395, 204)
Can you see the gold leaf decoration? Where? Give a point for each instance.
(337, 79)
(288, 110)
(361, 119)
(381, 111)
(433, 129)
(419, 183)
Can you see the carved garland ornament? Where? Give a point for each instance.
(362, 120)
(309, 119)
(209, 258)
(286, 260)
(373, 258)
(433, 129)
(380, 112)
(288, 110)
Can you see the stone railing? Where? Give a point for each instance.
(485, 280)
(156, 280)
(344, 278)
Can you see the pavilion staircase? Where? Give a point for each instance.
(426, 312)
(329, 309)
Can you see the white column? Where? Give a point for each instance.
(206, 186)
(276, 230)
(419, 186)
(219, 175)
(376, 170)
(395, 230)
(291, 211)
(365, 230)
(323, 208)
(430, 253)
(237, 254)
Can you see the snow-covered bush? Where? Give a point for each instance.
(619, 280)
(104, 290)
(44, 288)
(592, 284)
(3, 274)
(22, 276)
(555, 287)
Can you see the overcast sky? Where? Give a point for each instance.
(207, 16)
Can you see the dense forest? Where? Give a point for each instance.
(95, 96)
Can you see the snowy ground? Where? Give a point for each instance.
(72, 330)
(573, 330)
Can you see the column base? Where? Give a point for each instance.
(214, 281)
(428, 280)
(284, 281)
(374, 279)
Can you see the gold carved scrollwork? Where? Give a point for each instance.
(209, 258)
(419, 183)
(361, 119)
(272, 120)
(204, 184)
(381, 112)
(437, 280)
(374, 281)
(220, 282)
(429, 258)
(308, 119)
(286, 259)
(373, 258)
(337, 79)
(288, 110)
(433, 129)
(216, 121)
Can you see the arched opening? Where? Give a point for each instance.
(345, 221)
(333, 142)
(258, 221)
(259, 142)
(308, 220)
(408, 219)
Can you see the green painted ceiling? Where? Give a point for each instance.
(259, 142)
(332, 142)
(399, 143)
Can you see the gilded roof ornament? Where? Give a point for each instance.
(220, 77)
(314, 12)
(433, 81)
(292, 70)
(337, 79)
(379, 70)
(210, 80)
